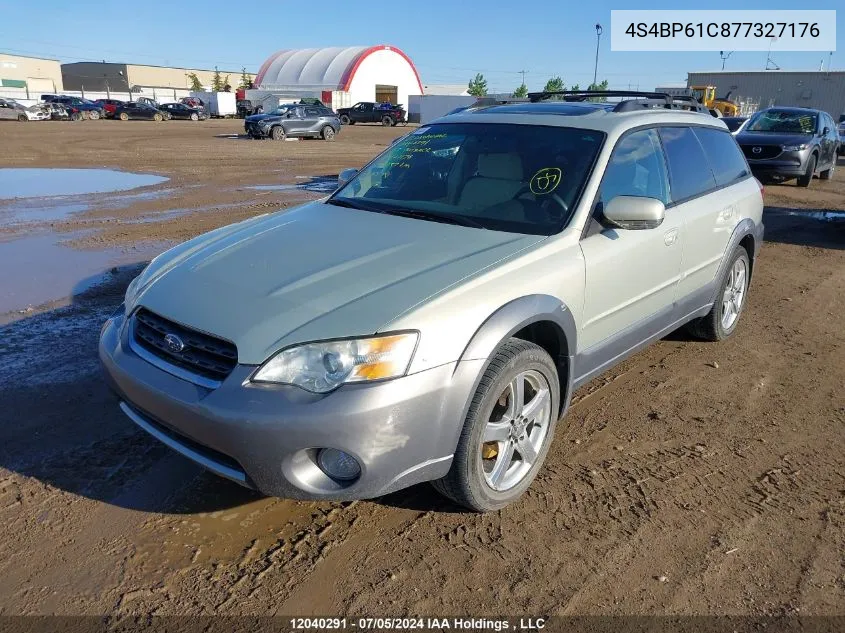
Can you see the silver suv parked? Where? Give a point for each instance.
(430, 320)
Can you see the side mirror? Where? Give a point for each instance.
(825, 131)
(635, 213)
(345, 176)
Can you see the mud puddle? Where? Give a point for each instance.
(50, 182)
(42, 269)
(824, 215)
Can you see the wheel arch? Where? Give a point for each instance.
(747, 234)
(541, 319)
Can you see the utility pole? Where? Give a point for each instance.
(725, 57)
(596, 67)
(522, 72)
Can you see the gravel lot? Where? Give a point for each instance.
(695, 478)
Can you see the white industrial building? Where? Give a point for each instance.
(340, 76)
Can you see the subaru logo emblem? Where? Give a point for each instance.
(756, 150)
(174, 343)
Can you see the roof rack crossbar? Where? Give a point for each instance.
(583, 95)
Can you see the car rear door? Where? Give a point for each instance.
(711, 187)
(631, 275)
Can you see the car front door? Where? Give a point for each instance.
(631, 275)
(829, 139)
(294, 122)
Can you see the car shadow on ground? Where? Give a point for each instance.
(823, 228)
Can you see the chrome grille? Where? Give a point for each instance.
(765, 151)
(202, 354)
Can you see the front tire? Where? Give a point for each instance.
(157, 117)
(345, 120)
(278, 133)
(327, 133)
(22, 118)
(386, 121)
(94, 115)
(507, 431)
(194, 116)
(804, 181)
(721, 321)
(123, 116)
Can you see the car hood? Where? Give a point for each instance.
(316, 272)
(254, 118)
(772, 138)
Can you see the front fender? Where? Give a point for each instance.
(513, 317)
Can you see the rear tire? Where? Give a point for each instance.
(386, 121)
(23, 118)
(495, 410)
(345, 120)
(804, 181)
(278, 133)
(94, 115)
(827, 174)
(716, 324)
(327, 133)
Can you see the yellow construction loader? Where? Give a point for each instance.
(706, 95)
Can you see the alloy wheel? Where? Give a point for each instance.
(734, 293)
(514, 434)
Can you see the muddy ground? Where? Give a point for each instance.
(695, 478)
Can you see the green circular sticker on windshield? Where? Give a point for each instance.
(545, 181)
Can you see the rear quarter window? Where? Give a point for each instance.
(689, 170)
(723, 154)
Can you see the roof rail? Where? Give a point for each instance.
(583, 95)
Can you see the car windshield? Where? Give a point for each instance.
(784, 122)
(515, 178)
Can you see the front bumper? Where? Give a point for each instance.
(788, 164)
(254, 130)
(402, 431)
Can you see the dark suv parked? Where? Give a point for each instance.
(79, 108)
(294, 120)
(784, 143)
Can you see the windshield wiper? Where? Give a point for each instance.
(446, 218)
(348, 203)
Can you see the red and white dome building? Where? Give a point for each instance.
(343, 76)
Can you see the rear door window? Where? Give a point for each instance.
(726, 159)
(689, 170)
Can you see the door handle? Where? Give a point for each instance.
(670, 236)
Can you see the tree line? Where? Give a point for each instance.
(478, 86)
(219, 83)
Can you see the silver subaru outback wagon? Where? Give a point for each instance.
(430, 320)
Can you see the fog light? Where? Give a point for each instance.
(338, 465)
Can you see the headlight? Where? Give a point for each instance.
(794, 148)
(324, 366)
